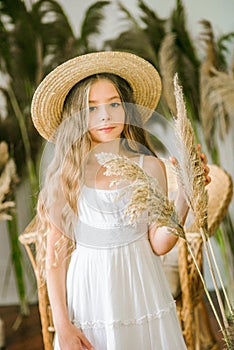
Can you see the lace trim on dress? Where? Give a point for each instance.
(118, 323)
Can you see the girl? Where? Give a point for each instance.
(111, 293)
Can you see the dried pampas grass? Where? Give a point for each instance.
(217, 101)
(216, 89)
(189, 170)
(168, 58)
(146, 196)
(190, 175)
(4, 155)
(7, 177)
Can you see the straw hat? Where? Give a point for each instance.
(49, 97)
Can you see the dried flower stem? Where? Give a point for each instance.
(214, 279)
(205, 287)
(219, 276)
(191, 177)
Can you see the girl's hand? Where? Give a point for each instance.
(72, 338)
(180, 202)
(204, 164)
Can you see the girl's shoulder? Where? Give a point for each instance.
(155, 167)
(153, 164)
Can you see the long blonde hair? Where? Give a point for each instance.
(64, 179)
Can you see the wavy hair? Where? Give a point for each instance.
(57, 203)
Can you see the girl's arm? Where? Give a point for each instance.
(162, 241)
(69, 336)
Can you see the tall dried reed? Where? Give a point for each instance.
(190, 175)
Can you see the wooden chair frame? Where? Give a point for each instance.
(29, 240)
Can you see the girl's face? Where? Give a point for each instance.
(106, 113)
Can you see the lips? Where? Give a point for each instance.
(106, 128)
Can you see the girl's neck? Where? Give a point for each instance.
(110, 147)
(94, 173)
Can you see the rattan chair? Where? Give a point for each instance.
(191, 307)
(190, 302)
(29, 239)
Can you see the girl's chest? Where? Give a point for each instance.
(95, 178)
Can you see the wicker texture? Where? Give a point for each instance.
(29, 240)
(190, 304)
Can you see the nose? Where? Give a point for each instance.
(105, 113)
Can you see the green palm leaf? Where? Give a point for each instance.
(130, 41)
(154, 26)
(187, 61)
(179, 26)
(53, 30)
(91, 23)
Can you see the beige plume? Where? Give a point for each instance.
(190, 172)
(145, 193)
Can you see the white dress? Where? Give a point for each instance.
(117, 292)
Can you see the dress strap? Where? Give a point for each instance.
(141, 160)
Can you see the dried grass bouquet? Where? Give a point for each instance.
(145, 193)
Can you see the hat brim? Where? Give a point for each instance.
(49, 97)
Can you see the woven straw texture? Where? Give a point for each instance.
(49, 97)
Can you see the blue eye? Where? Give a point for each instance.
(93, 108)
(115, 104)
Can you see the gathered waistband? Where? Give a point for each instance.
(109, 238)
